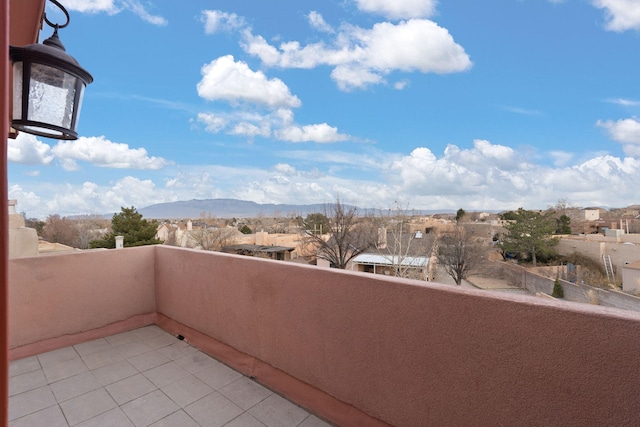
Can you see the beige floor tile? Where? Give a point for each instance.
(245, 393)
(218, 375)
(27, 381)
(60, 355)
(187, 390)
(148, 360)
(149, 408)
(102, 358)
(49, 417)
(75, 386)
(22, 366)
(177, 419)
(177, 350)
(214, 410)
(196, 362)
(31, 401)
(115, 372)
(130, 388)
(159, 341)
(276, 411)
(133, 349)
(93, 346)
(244, 420)
(166, 374)
(64, 369)
(87, 406)
(112, 418)
(122, 338)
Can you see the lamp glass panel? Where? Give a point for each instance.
(17, 90)
(51, 96)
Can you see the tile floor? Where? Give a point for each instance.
(144, 377)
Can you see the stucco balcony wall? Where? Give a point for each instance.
(407, 353)
(65, 295)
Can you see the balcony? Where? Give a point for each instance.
(350, 348)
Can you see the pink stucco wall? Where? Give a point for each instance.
(412, 354)
(61, 295)
(406, 353)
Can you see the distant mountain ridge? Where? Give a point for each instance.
(234, 208)
(225, 208)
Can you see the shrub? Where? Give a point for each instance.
(558, 292)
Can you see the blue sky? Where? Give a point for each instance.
(497, 104)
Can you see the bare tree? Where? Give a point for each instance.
(461, 253)
(407, 252)
(348, 235)
(212, 238)
(60, 230)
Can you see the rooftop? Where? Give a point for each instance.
(143, 377)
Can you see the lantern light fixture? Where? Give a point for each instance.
(48, 86)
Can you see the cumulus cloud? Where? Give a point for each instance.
(625, 131)
(317, 21)
(216, 21)
(225, 79)
(115, 6)
(399, 9)
(27, 149)
(621, 15)
(104, 153)
(228, 80)
(363, 57)
(322, 133)
(491, 176)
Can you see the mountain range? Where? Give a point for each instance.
(233, 208)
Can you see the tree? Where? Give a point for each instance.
(60, 230)
(558, 292)
(406, 252)
(316, 223)
(129, 224)
(347, 235)
(461, 254)
(459, 215)
(563, 225)
(245, 229)
(529, 233)
(212, 238)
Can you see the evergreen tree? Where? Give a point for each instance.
(529, 233)
(129, 224)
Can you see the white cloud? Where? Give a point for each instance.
(227, 80)
(621, 15)
(27, 149)
(113, 7)
(216, 21)
(362, 57)
(317, 21)
(625, 131)
(102, 152)
(322, 133)
(399, 9)
(624, 102)
(213, 122)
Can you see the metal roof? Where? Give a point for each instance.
(374, 259)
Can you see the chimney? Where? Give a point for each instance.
(119, 242)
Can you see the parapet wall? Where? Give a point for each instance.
(405, 352)
(408, 353)
(62, 295)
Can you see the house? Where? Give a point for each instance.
(281, 253)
